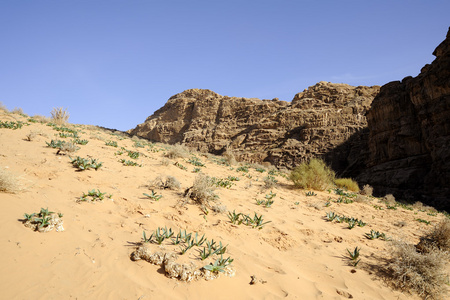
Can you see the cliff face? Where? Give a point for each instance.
(315, 122)
(409, 134)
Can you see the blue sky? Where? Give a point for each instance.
(113, 63)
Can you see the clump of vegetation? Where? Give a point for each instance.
(196, 162)
(347, 183)
(180, 166)
(229, 157)
(93, 195)
(242, 169)
(8, 182)
(154, 196)
(11, 124)
(111, 143)
(169, 182)
(177, 151)
(367, 190)
(353, 256)
(85, 163)
(372, 235)
(314, 174)
(310, 193)
(270, 181)
(438, 238)
(220, 182)
(240, 218)
(202, 191)
(59, 115)
(44, 220)
(352, 222)
(129, 163)
(422, 272)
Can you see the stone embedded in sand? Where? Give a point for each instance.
(55, 222)
(183, 272)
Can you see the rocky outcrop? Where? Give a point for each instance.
(284, 134)
(409, 135)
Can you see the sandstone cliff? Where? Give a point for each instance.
(284, 134)
(409, 134)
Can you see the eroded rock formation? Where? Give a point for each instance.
(284, 134)
(409, 135)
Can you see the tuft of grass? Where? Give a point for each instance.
(367, 190)
(59, 115)
(8, 182)
(347, 183)
(202, 190)
(423, 273)
(314, 174)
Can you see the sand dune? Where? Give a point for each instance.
(298, 255)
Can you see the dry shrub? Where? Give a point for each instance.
(169, 182)
(177, 151)
(361, 199)
(347, 183)
(438, 238)
(367, 190)
(229, 156)
(418, 205)
(8, 182)
(18, 111)
(165, 162)
(202, 191)
(3, 107)
(389, 199)
(33, 134)
(422, 272)
(67, 148)
(41, 119)
(314, 174)
(59, 115)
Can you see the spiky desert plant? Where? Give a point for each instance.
(60, 115)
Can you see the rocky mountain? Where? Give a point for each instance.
(281, 133)
(409, 134)
(397, 139)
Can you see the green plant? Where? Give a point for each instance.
(354, 255)
(130, 163)
(66, 135)
(234, 217)
(11, 124)
(314, 174)
(372, 235)
(260, 170)
(423, 221)
(232, 178)
(133, 154)
(180, 166)
(347, 183)
(145, 239)
(80, 142)
(85, 163)
(154, 196)
(94, 195)
(196, 162)
(258, 222)
(111, 143)
(270, 196)
(196, 170)
(266, 203)
(219, 265)
(222, 182)
(310, 193)
(330, 216)
(242, 169)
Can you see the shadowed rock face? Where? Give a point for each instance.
(409, 134)
(284, 134)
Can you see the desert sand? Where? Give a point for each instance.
(298, 255)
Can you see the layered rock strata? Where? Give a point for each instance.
(409, 135)
(284, 134)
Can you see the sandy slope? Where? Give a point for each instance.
(298, 255)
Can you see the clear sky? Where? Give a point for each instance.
(113, 63)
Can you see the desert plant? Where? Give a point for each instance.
(242, 169)
(93, 195)
(219, 265)
(153, 196)
(314, 174)
(422, 272)
(260, 170)
(111, 143)
(347, 183)
(180, 166)
(85, 163)
(353, 256)
(129, 163)
(372, 235)
(202, 190)
(59, 115)
(270, 181)
(11, 124)
(177, 151)
(367, 190)
(438, 238)
(133, 154)
(310, 193)
(196, 162)
(8, 182)
(266, 203)
(80, 142)
(228, 157)
(234, 217)
(145, 239)
(423, 221)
